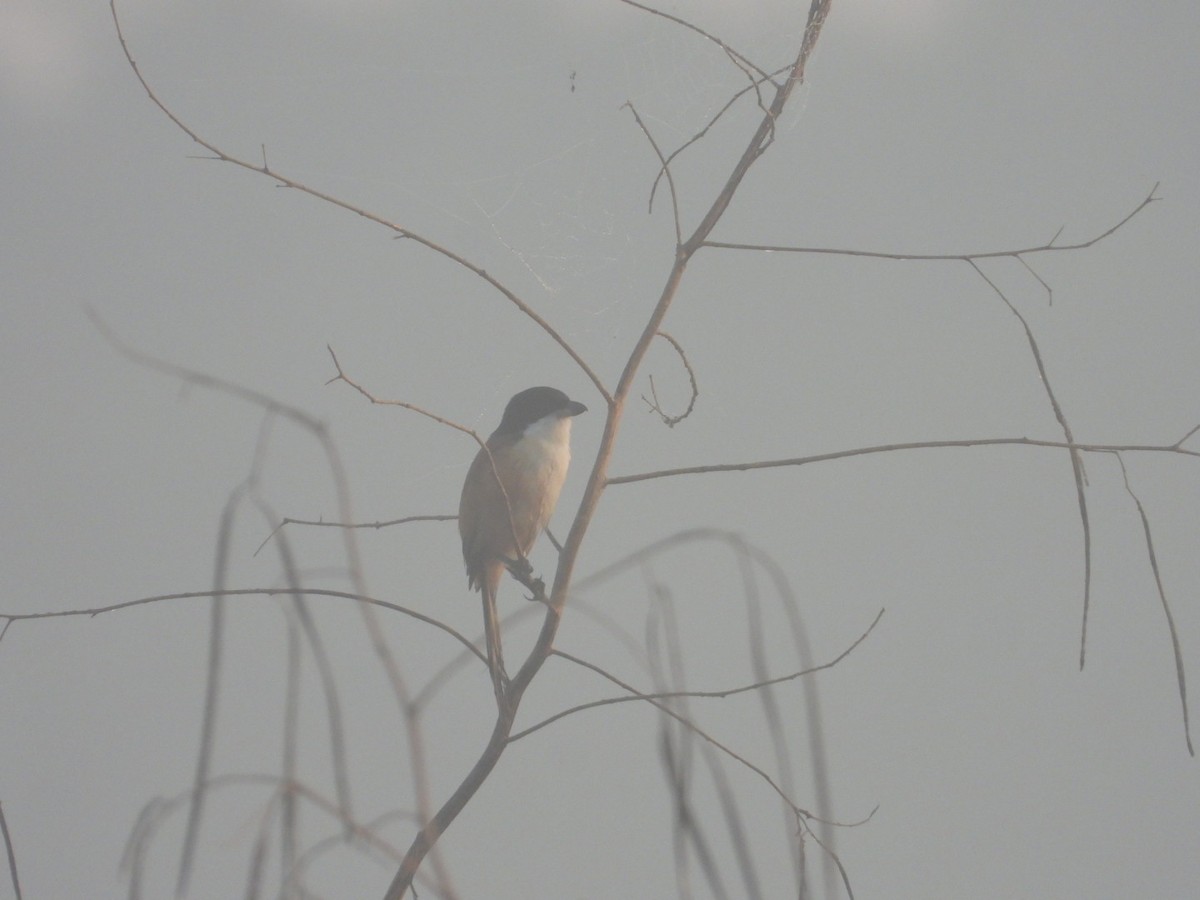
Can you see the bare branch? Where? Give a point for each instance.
(672, 421)
(378, 401)
(301, 619)
(765, 133)
(597, 479)
(399, 230)
(755, 85)
(635, 695)
(678, 753)
(1048, 247)
(665, 708)
(156, 812)
(366, 610)
(738, 59)
(12, 855)
(1179, 443)
(249, 592)
(1180, 678)
(757, 648)
(1040, 280)
(664, 167)
(888, 448)
(208, 727)
(519, 568)
(320, 523)
(1076, 459)
(799, 811)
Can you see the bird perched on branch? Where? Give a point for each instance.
(509, 495)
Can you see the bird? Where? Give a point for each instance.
(509, 495)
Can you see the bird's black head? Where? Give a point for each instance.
(536, 403)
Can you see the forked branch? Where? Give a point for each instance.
(597, 479)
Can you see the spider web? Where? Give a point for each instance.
(577, 215)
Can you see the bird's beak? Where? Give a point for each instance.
(574, 408)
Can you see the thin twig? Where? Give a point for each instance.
(301, 616)
(1048, 247)
(1040, 280)
(379, 644)
(208, 726)
(1179, 443)
(636, 696)
(1076, 458)
(700, 732)
(677, 751)
(888, 448)
(321, 523)
(665, 167)
(521, 561)
(757, 648)
(1180, 678)
(398, 230)
(12, 855)
(672, 421)
(738, 59)
(158, 810)
(249, 592)
(755, 85)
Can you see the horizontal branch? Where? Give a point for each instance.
(1047, 247)
(244, 592)
(913, 445)
(321, 523)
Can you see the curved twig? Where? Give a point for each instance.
(672, 421)
(664, 167)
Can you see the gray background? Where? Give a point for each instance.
(998, 768)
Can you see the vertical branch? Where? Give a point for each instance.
(756, 638)
(1180, 678)
(826, 835)
(678, 747)
(291, 734)
(677, 681)
(12, 856)
(300, 618)
(209, 724)
(596, 482)
(1076, 458)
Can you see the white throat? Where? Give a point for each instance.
(541, 458)
(553, 431)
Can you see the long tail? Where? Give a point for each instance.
(491, 627)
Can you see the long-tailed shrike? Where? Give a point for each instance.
(510, 494)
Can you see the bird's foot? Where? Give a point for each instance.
(539, 590)
(520, 568)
